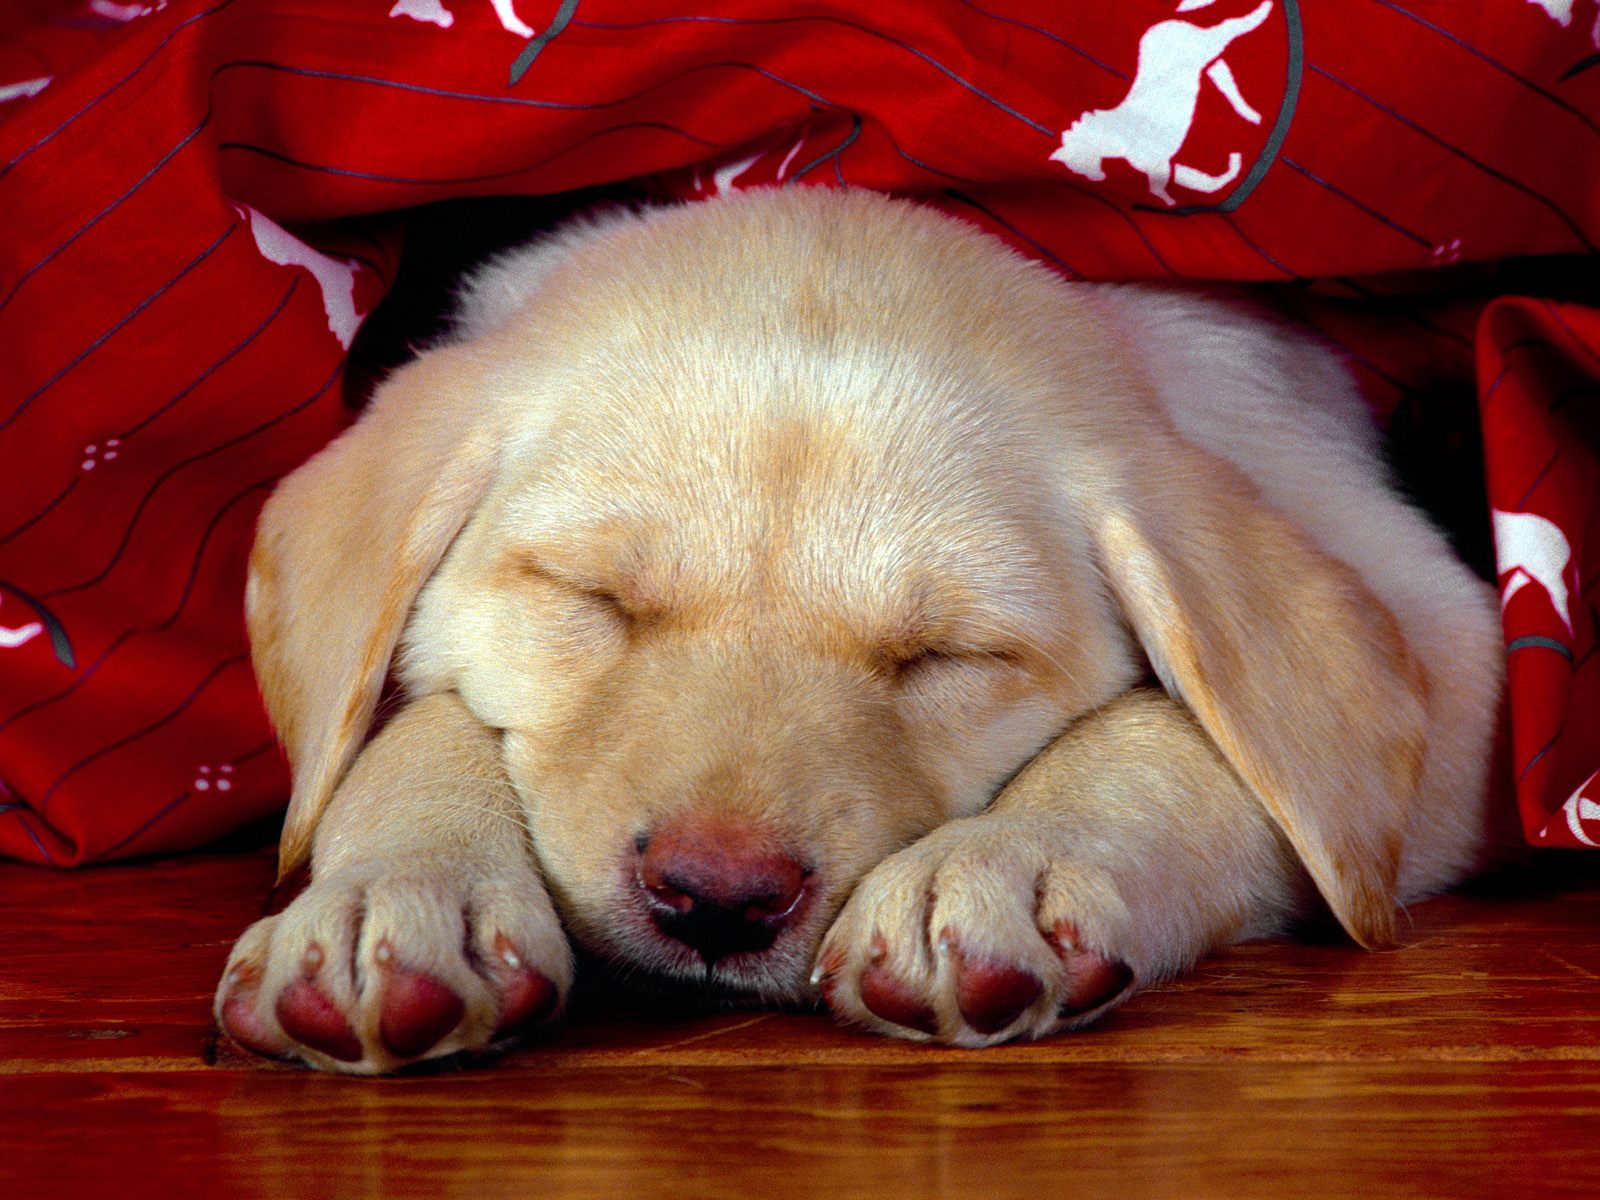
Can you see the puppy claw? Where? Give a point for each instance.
(527, 997)
(823, 975)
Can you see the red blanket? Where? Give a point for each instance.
(194, 199)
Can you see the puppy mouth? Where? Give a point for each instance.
(716, 959)
(728, 957)
(651, 964)
(727, 985)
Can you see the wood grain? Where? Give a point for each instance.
(1466, 1064)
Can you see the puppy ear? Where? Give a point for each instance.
(1291, 664)
(342, 549)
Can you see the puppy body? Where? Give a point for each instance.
(788, 529)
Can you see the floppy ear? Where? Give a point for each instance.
(342, 549)
(1292, 665)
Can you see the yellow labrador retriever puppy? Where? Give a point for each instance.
(804, 594)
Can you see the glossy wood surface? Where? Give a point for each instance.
(1467, 1064)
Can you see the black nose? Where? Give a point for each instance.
(720, 892)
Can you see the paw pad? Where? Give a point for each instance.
(886, 996)
(311, 1019)
(240, 1020)
(418, 1011)
(527, 997)
(1092, 979)
(992, 995)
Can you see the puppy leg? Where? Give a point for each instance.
(1118, 857)
(426, 928)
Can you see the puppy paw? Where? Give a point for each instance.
(982, 932)
(370, 970)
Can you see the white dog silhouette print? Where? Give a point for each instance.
(113, 11)
(336, 279)
(1150, 125)
(1578, 809)
(1532, 549)
(433, 12)
(24, 88)
(1560, 11)
(11, 638)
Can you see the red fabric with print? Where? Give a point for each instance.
(175, 312)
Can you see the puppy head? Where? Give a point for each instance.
(780, 582)
(774, 532)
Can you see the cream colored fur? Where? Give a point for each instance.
(824, 511)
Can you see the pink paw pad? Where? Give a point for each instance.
(887, 997)
(992, 995)
(243, 1024)
(311, 1019)
(1092, 979)
(417, 1012)
(526, 996)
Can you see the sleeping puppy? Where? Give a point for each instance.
(801, 593)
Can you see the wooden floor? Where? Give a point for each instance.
(1465, 1065)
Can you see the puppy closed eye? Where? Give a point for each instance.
(606, 602)
(578, 597)
(930, 662)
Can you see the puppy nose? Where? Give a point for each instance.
(719, 888)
